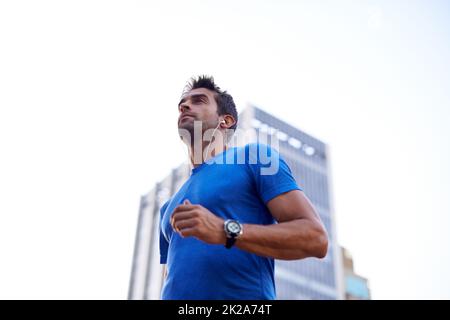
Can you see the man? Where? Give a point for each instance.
(221, 232)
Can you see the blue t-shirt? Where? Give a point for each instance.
(235, 184)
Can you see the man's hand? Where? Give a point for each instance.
(195, 220)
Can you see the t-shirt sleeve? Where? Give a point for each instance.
(163, 243)
(271, 174)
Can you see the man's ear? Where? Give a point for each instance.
(229, 121)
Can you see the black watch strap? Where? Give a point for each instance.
(230, 242)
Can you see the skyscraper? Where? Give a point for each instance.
(308, 159)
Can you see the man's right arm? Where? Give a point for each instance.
(164, 271)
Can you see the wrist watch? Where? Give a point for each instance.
(233, 229)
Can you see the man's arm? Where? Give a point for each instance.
(164, 271)
(298, 234)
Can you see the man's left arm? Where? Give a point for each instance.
(298, 234)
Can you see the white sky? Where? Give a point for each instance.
(88, 95)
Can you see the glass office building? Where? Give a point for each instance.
(308, 159)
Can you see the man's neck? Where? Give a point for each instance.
(197, 151)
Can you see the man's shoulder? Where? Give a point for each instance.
(260, 153)
(254, 148)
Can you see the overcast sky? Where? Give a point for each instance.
(88, 110)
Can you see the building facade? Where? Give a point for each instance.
(356, 287)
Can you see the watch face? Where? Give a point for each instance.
(234, 227)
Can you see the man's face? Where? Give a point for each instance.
(197, 105)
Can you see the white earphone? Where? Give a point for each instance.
(217, 127)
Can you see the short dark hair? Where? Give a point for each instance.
(225, 102)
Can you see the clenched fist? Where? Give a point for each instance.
(194, 220)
